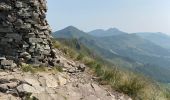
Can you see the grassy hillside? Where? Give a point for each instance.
(127, 82)
(160, 39)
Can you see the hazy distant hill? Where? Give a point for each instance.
(103, 33)
(136, 48)
(127, 50)
(70, 32)
(160, 39)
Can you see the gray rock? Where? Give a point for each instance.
(15, 36)
(19, 4)
(3, 88)
(6, 62)
(2, 58)
(25, 55)
(26, 88)
(81, 67)
(5, 7)
(51, 82)
(61, 80)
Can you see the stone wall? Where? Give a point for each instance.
(24, 31)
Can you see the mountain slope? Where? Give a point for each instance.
(93, 44)
(115, 77)
(103, 33)
(70, 32)
(132, 42)
(160, 39)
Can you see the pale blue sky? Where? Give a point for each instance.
(127, 15)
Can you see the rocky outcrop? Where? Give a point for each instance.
(24, 31)
(74, 83)
(49, 86)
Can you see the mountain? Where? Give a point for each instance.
(103, 33)
(93, 44)
(70, 32)
(158, 38)
(126, 50)
(136, 48)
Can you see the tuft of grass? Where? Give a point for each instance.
(32, 69)
(80, 57)
(28, 97)
(27, 68)
(131, 86)
(55, 69)
(56, 44)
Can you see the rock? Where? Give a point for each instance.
(81, 67)
(8, 97)
(49, 86)
(19, 4)
(50, 81)
(3, 81)
(12, 92)
(8, 64)
(15, 36)
(11, 85)
(98, 90)
(3, 88)
(3, 74)
(61, 80)
(2, 58)
(34, 82)
(72, 70)
(25, 55)
(5, 7)
(26, 88)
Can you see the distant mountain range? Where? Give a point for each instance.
(103, 33)
(137, 51)
(158, 38)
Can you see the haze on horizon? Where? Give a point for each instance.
(127, 15)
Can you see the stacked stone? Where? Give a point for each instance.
(24, 31)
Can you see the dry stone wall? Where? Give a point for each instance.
(24, 31)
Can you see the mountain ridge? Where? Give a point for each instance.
(108, 32)
(123, 48)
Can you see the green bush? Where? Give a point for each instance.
(27, 68)
(80, 57)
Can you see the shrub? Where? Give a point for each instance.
(131, 86)
(56, 44)
(80, 56)
(27, 68)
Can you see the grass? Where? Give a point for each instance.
(32, 69)
(29, 97)
(136, 86)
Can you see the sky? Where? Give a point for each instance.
(127, 15)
